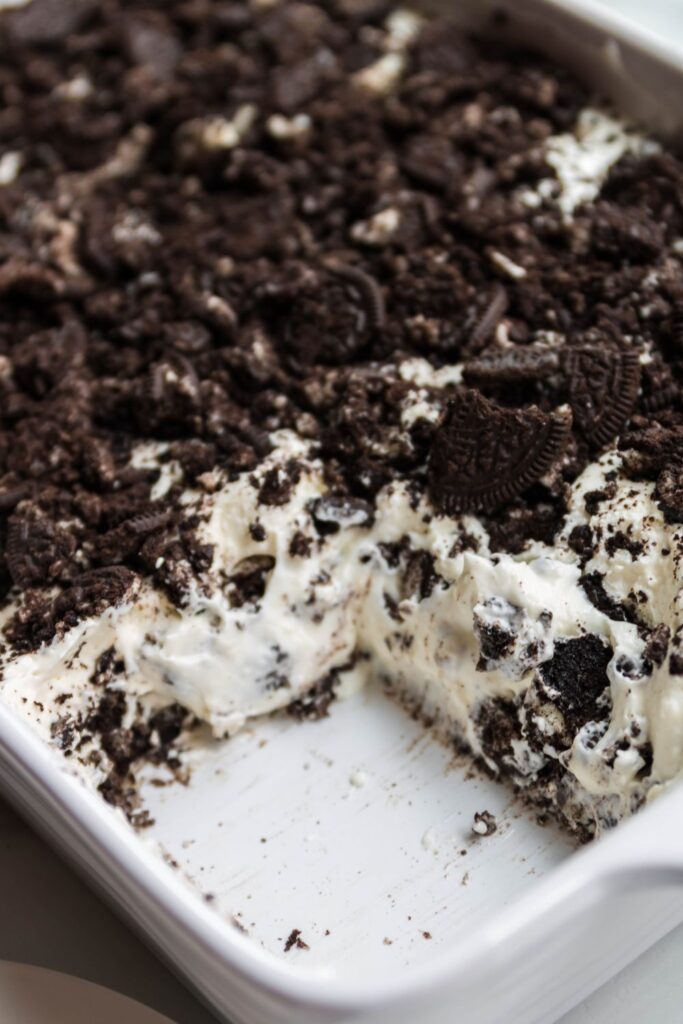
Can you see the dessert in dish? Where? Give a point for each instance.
(336, 346)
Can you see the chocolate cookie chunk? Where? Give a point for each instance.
(501, 366)
(329, 314)
(483, 455)
(39, 550)
(603, 388)
(600, 383)
(575, 678)
(669, 491)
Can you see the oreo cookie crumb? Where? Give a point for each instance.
(484, 824)
(294, 939)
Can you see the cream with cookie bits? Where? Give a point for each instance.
(336, 347)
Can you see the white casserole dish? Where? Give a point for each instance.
(363, 816)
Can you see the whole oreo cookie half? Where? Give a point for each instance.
(483, 455)
(603, 385)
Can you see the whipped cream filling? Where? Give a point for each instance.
(348, 605)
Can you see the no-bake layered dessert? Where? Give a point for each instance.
(336, 345)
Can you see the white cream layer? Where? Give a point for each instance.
(229, 664)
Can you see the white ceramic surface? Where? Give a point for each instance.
(52, 919)
(509, 945)
(663, 17)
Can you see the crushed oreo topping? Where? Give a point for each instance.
(219, 222)
(669, 491)
(115, 735)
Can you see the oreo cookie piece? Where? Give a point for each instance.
(603, 386)
(600, 383)
(332, 513)
(510, 640)
(488, 319)
(619, 234)
(39, 550)
(484, 455)
(94, 591)
(575, 679)
(329, 316)
(500, 366)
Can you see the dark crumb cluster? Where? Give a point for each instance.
(575, 679)
(295, 941)
(315, 704)
(216, 229)
(108, 735)
(569, 695)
